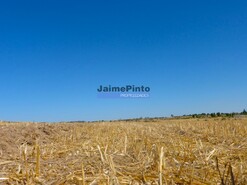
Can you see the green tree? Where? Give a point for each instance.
(213, 115)
(244, 112)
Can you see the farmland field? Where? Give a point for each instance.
(172, 151)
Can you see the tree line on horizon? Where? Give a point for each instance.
(218, 114)
(185, 116)
(201, 115)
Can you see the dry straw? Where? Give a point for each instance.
(185, 151)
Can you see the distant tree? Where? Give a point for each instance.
(218, 114)
(244, 112)
(172, 115)
(213, 115)
(203, 115)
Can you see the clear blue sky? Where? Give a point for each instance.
(55, 54)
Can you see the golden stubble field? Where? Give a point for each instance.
(175, 151)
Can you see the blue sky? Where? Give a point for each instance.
(55, 54)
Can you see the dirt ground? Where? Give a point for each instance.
(182, 151)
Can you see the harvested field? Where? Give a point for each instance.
(175, 151)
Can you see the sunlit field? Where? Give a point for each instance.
(172, 151)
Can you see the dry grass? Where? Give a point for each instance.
(188, 151)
